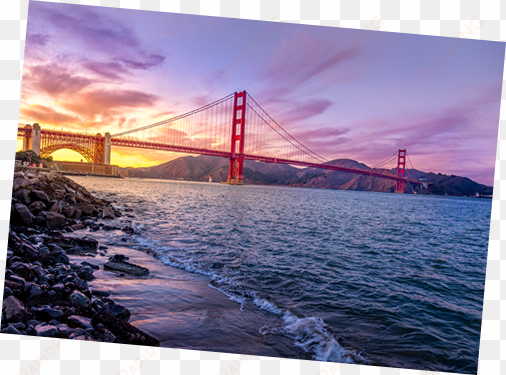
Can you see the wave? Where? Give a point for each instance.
(311, 334)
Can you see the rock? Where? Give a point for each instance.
(102, 247)
(64, 329)
(92, 266)
(69, 242)
(128, 230)
(56, 208)
(79, 298)
(18, 326)
(50, 219)
(124, 332)
(37, 207)
(10, 330)
(18, 183)
(118, 311)
(85, 208)
(7, 292)
(86, 275)
(76, 321)
(46, 330)
(24, 214)
(23, 196)
(32, 322)
(69, 211)
(58, 288)
(12, 307)
(38, 195)
(52, 313)
(100, 293)
(106, 336)
(33, 290)
(118, 264)
(77, 214)
(108, 213)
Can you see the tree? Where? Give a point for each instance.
(31, 157)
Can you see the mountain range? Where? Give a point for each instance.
(200, 168)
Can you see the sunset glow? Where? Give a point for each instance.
(345, 93)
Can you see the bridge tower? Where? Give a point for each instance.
(235, 171)
(401, 168)
(36, 137)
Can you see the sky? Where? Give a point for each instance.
(344, 93)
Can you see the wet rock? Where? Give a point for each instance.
(124, 332)
(100, 293)
(119, 263)
(108, 213)
(24, 214)
(10, 330)
(46, 330)
(17, 280)
(128, 230)
(86, 275)
(118, 311)
(52, 313)
(92, 266)
(32, 322)
(13, 307)
(106, 336)
(85, 208)
(77, 214)
(76, 321)
(71, 242)
(18, 326)
(64, 329)
(102, 247)
(79, 298)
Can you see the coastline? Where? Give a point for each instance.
(45, 294)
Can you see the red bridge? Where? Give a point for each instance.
(218, 129)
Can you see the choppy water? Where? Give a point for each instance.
(384, 279)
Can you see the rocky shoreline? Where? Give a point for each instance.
(44, 293)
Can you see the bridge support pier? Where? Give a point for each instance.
(36, 138)
(107, 149)
(235, 171)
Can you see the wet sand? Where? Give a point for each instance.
(182, 311)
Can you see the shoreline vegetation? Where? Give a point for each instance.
(44, 293)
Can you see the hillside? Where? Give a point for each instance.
(199, 168)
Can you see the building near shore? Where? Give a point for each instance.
(94, 168)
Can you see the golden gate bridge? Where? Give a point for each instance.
(234, 127)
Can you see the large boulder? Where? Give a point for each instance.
(23, 214)
(76, 321)
(85, 208)
(79, 298)
(46, 330)
(108, 213)
(23, 195)
(118, 311)
(12, 307)
(50, 219)
(37, 207)
(38, 195)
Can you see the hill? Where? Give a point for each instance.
(200, 168)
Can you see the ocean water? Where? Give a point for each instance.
(359, 277)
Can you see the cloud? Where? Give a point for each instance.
(42, 114)
(106, 101)
(55, 80)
